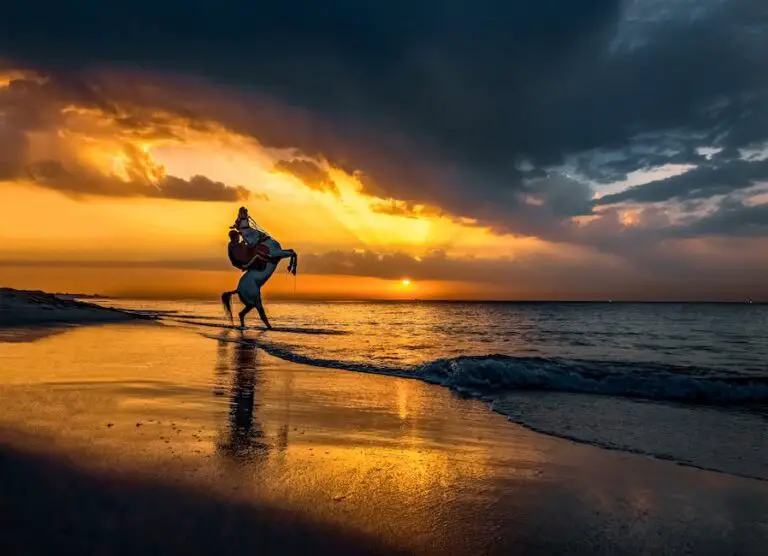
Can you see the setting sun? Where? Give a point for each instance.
(405, 282)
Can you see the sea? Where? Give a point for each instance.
(684, 382)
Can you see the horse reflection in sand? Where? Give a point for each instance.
(245, 437)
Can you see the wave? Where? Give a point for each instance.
(484, 376)
(600, 403)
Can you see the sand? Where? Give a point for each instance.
(141, 438)
(26, 308)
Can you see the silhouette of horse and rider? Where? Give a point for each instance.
(257, 255)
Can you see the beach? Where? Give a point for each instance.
(139, 437)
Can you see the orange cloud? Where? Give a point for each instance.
(75, 142)
(309, 172)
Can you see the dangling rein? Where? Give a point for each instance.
(292, 266)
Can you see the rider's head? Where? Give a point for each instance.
(234, 236)
(243, 212)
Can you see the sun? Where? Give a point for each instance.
(405, 282)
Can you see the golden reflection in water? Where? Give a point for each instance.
(346, 431)
(331, 443)
(402, 400)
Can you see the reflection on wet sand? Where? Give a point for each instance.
(244, 436)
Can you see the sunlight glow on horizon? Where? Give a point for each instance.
(39, 223)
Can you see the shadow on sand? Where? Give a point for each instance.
(51, 507)
(26, 334)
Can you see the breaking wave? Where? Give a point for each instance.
(483, 376)
(633, 380)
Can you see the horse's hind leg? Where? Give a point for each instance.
(247, 309)
(262, 313)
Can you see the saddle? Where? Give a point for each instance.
(251, 257)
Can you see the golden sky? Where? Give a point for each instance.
(111, 236)
(128, 196)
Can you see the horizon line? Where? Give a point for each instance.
(288, 299)
(332, 299)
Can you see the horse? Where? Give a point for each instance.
(252, 280)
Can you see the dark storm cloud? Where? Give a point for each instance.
(438, 101)
(705, 181)
(650, 151)
(731, 219)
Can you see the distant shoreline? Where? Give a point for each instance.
(29, 308)
(77, 296)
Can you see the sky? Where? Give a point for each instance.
(548, 149)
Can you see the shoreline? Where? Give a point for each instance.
(59, 314)
(29, 308)
(497, 402)
(266, 452)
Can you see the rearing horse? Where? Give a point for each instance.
(249, 286)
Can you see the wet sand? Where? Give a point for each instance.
(141, 438)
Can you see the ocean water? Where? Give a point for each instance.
(683, 382)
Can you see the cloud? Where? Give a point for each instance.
(70, 139)
(707, 180)
(732, 218)
(13, 148)
(684, 269)
(478, 111)
(80, 181)
(395, 207)
(309, 172)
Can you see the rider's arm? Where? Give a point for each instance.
(232, 258)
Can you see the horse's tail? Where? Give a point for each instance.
(226, 301)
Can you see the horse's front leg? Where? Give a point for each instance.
(293, 264)
(287, 254)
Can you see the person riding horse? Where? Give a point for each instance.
(243, 256)
(251, 232)
(258, 257)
